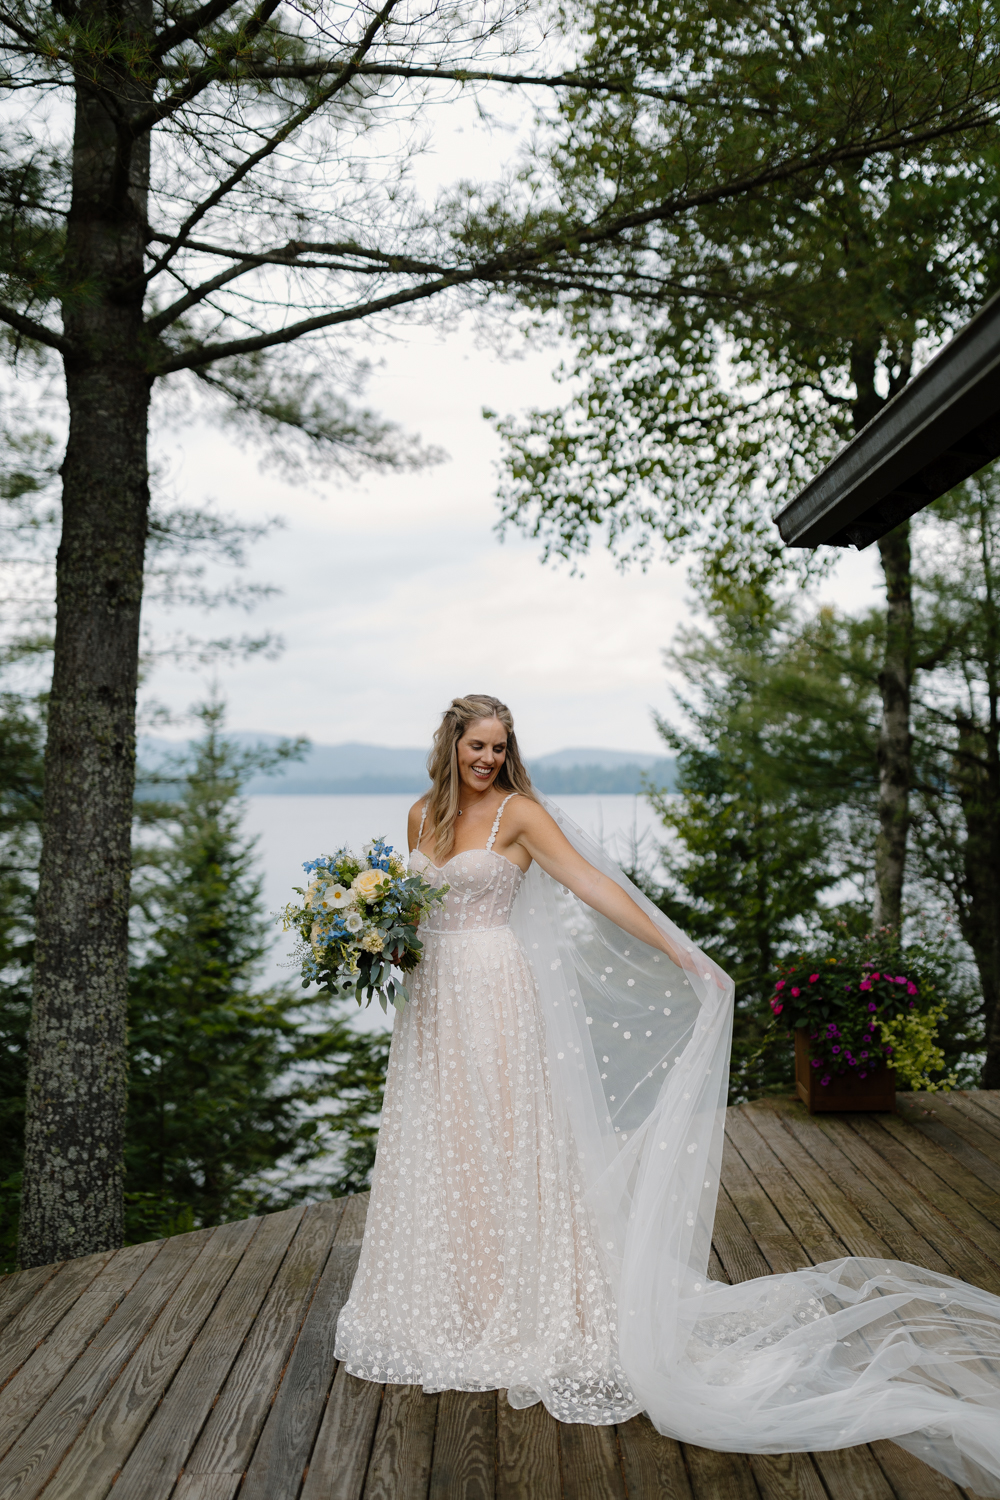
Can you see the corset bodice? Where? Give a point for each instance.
(482, 884)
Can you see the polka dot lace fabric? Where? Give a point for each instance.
(480, 1268)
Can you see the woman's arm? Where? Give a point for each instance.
(540, 836)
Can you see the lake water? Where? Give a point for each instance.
(292, 829)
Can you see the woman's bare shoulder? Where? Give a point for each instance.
(527, 815)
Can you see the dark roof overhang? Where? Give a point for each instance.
(939, 429)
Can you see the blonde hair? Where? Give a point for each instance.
(442, 764)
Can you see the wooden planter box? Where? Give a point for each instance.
(845, 1091)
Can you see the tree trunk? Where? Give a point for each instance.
(73, 1169)
(895, 754)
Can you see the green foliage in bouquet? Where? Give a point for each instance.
(865, 1003)
(358, 921)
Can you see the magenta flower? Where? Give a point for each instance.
(816, 1063)
(862, 1075)
(863, 1056)
(900, 978)
(777, 1009)
(871, 1005)
(911, 988)
(865, 984)
(780, 985)
(834, 1050)
(813, 978)
(876, 976)
(824, 1081)
(794, 991)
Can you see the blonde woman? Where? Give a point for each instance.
(548, 1162)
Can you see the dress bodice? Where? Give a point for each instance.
(483, 885)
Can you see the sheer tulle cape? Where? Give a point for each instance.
(819, 1358)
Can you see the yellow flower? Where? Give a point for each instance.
(372, 942)
(369, 884)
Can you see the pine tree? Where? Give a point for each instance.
(237, 1095)
(777, 766)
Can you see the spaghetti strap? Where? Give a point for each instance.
(496, 822)
(423, 820)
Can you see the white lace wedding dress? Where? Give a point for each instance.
(544, 1195)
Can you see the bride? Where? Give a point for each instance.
(548, 1160)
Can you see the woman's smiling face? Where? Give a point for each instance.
(482, 750)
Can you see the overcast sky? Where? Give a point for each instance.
(396, 593)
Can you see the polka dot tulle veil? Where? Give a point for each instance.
(544, 1194)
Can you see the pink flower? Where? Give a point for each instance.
(780, 985)
(795, 992)
(863, 1056)
(834, 1050)
(865, 984)
(815, 1063)
(778, 1009)
(911, 988)
(813, 978)
(825, 1081)
(900, 978)
(871, 1005)
(876, 976)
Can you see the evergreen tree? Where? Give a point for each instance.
(20, 807)
(773, 778)
(241, 1099)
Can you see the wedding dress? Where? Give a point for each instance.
(544, 1194)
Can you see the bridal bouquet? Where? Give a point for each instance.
(358, 920)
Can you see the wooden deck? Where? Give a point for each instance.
(201, 1367)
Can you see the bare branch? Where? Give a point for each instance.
(348, 72)
(184, 30)
(571, 241)
(32, 330)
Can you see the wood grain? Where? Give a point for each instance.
(231, 1432)
(400, 1464)
(37, 1318)
(161, 1453)
(980, 1106)
(43, 1444)
(351, 1230)
(948, 1168)
(527, 1452)
(719, 1476)
(18, 1289)
(339, 1460)
(25, 1395)
(591, 1463)
(909, 1167)
(909, 1478)
(465, 1444)
(811, 1230)
(853, 1474)
(653, 1465)
(771, 1234)
(840, 1213)
(207, 1487)
(786, 1476)
(282, 1454)
(112, 1432)
(879, 1211)
(929, 1124)
(736, 1246)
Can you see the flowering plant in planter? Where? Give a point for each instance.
(861, 1013)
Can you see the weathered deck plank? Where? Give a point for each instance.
(202, 1368)
(40, 1449)
(230, 1435)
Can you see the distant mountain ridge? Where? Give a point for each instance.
(355, 768)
